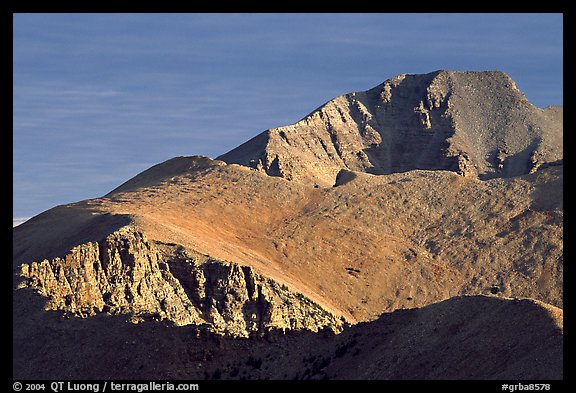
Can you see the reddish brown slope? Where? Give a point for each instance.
(372, 244)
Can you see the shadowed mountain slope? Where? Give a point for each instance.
(461, 338)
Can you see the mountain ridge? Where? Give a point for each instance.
(427, 192)
(302, 226)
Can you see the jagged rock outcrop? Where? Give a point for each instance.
(121, 274)
(474, 123)
(127, 274)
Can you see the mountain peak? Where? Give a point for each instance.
(477, 124)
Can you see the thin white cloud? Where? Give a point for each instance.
(19, 220)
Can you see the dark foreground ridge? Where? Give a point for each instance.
(476, 337)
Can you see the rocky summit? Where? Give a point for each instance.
(473, 123)
(410, 231)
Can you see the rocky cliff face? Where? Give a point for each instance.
(127, 274)
(474, 123)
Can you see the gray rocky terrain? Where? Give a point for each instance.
(473, 123)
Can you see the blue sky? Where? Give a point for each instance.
(99, 98)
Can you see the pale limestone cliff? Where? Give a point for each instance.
(127, 274)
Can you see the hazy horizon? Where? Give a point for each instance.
(98, 98)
